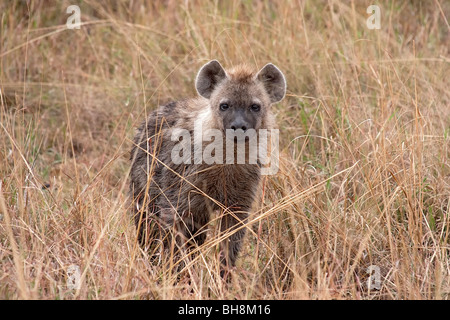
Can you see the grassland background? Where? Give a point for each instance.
(364, 177)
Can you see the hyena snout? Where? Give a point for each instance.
(238, 120)
(240, 123)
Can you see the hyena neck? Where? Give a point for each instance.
(206, 119)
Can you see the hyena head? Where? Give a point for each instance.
(240, 98)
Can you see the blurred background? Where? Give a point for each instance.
(364, 177)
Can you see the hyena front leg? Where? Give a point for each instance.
(185, 232)
(188, 228)
(233, 227)
(148, 228)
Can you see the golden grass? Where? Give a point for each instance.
(364, 177)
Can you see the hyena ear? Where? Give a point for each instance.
(274, 82)
(208, 77)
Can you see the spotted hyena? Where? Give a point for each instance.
(173, 189)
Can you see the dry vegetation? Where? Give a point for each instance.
(365, 172)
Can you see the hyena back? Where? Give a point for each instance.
(181, 196)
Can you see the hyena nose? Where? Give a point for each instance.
(244, 128)
(239, 125)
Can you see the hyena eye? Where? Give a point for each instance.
(224, 106)
(255, 107)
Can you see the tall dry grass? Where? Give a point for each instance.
(364, 177)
